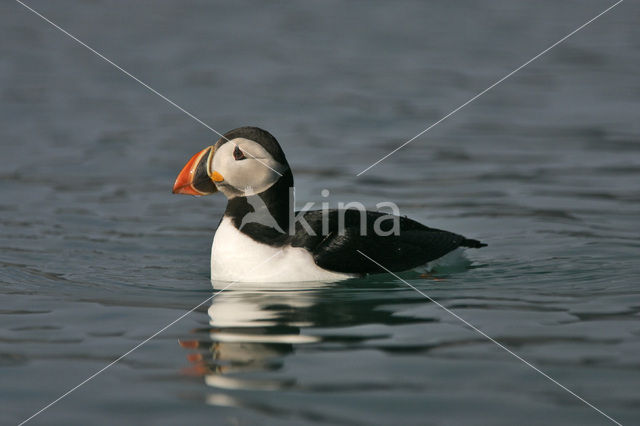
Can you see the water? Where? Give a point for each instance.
(97, 255)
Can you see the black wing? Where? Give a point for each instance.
(414, 244)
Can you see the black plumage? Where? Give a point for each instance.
(414, 245)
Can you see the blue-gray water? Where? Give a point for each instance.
(97, 254)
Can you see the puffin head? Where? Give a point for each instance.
(245, 161)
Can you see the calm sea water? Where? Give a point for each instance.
(96, 254)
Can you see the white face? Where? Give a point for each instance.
(245, 167)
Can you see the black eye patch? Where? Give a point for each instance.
(238, 154)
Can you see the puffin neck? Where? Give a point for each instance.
(276, 199)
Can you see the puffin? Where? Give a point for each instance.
(260, 237)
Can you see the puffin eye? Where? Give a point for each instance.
(238, 154)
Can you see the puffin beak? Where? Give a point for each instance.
(196, 177)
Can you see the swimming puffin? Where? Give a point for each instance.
(249, 167)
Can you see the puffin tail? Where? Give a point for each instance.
(470, 243)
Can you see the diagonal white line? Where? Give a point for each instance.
(500, 345)
(127, 73)
(118, 67)
(115, 361)
(491, 87)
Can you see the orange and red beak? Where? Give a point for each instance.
(196, 177)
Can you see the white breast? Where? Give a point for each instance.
(237, 257)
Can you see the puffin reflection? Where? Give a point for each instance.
(251, 331)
